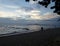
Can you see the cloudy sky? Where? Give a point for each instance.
(19, 9)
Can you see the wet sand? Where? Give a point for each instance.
(49, 37)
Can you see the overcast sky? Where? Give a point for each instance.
(19, 9)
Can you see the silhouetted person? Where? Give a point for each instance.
(41, 28)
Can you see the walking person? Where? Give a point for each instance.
(42, 29)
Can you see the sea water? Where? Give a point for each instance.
(4, 29)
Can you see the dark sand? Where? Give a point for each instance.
(49, 37)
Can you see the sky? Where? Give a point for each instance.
(19, 9)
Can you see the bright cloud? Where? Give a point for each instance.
(46, 16)
(32, 15)
(50, 15)
(24, 11)
(36, 17)
(9, 15)
(22, 14)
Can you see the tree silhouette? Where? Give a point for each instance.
(45, 3)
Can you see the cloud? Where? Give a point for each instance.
(45, 16)
(34, 2)
(18, 14)
(22, 12)
(35, 17)
(8, 6)
(28, 14)
(49, 15)
(12, 15)
(31, 15)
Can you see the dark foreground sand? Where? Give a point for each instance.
(49, 37)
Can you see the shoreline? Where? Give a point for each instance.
(38, 38)
(17, 33)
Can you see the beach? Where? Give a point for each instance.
(49, 37)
